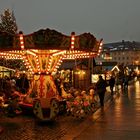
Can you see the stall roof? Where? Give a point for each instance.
(69, 64)
(109, 63)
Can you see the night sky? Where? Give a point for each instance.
(112, 20)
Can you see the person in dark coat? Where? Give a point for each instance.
(23, 84)
(101, 89)
(111, 84)
(126, 80)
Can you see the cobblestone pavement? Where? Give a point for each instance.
(27, 128)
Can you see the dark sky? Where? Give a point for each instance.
(112, 20)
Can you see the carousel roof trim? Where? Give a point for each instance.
(49, 39)
(44, 50)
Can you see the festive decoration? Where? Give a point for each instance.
(45, 57)
(8, 22)
(42, 53)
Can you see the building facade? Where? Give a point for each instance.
(126, 53)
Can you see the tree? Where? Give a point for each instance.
(8, 22)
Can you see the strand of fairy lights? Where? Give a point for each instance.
(38, 64)
(58, 63)
(49, 64)
(27, 64)
(10, 56)
(21, 41)
(24, 57)
(100, 47)
(72, 54)
(72, 40)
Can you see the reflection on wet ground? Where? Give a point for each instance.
(121, 121)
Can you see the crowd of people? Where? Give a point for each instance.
(101, 85)
(114, 81)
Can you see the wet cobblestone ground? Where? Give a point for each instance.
(28, 128)
(121, 121)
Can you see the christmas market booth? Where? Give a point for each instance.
(77, 73)
(42, 52)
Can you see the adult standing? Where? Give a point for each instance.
(126, 80)
(111, 84)
(23, 83)
(101, 89)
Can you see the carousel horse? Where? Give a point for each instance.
(46, 109)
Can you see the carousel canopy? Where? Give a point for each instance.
(43, 51)
(47, 39)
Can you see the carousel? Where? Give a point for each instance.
(42, 53)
